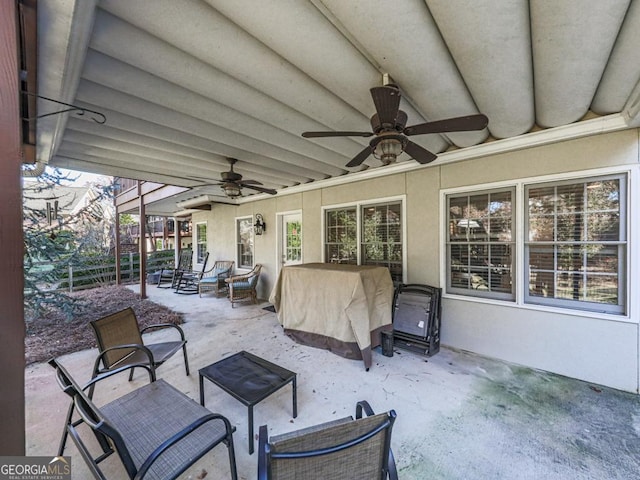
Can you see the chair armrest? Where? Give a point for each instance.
(109, 373)
(148, 463)
(134, 346)
(239, 278)
(262, 453)
(164, 325)
(363, 405)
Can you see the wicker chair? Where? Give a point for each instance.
(344, 448)
(157, 431)
(213, 280)
(242, 287)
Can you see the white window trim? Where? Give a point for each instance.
(632, 264)
(358, 206)
(236, 238)
(498, 296)
(206, 240)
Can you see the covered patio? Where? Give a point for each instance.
(188, 90)
(460, 415)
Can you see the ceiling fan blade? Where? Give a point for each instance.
(261, 189)
(387, 102)
(457, 124)
(419, 154)
(361, 157)
(336, 134)
(248, 182)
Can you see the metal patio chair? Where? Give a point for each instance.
(342, 449)
(120, 343)
(157, 431)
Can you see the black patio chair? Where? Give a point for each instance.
(120, 343)
(157, 431)
(169, 276)
(187, 281)
(341, 449)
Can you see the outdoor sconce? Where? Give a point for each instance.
(259, 227)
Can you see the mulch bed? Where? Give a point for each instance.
(52, 335)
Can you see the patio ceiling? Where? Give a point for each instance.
(185, 84)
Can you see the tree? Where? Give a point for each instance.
(60, 228)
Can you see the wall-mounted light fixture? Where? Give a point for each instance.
(259, 227)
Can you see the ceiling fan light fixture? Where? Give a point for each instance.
(388, 150)
(231, 190)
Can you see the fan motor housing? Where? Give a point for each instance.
(398, 126)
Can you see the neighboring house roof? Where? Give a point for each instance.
(70, 199)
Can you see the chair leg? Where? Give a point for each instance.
(232, 458)
(65, 432)
(186, 359)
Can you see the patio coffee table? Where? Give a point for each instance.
(249, 379)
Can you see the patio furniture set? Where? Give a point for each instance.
(159, 432)
(183, 279)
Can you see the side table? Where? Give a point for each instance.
(249, 379)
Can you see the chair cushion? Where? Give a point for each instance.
(209, 280)
(241, 285)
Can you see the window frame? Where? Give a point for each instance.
(201, 254)
(325, 242)
(448, 246)
(359, 205)
(622, 245)
(630, 263)
(362, 245)
(238, 220)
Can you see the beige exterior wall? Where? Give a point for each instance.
(595, 348)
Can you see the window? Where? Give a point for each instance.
(382, 237)
(201, 242)
(366, 234)
(576, 244)
(244, 239)
(571, 249)
(293, 242)
(480, 244)
(341, 239)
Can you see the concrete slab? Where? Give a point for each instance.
(460, 416)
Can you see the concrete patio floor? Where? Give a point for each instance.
(460, 416)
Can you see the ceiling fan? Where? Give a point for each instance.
(232, 183)
(388, 124)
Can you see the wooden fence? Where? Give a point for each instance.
(97, 271)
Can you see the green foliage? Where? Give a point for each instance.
(58, 231)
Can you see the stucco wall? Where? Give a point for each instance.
(594, 348)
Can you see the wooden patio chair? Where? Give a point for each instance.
(157, 431)
(170, 275)
(242, 287)
(187, 281)
(213, 280)
(120, 343)
(341, 449)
